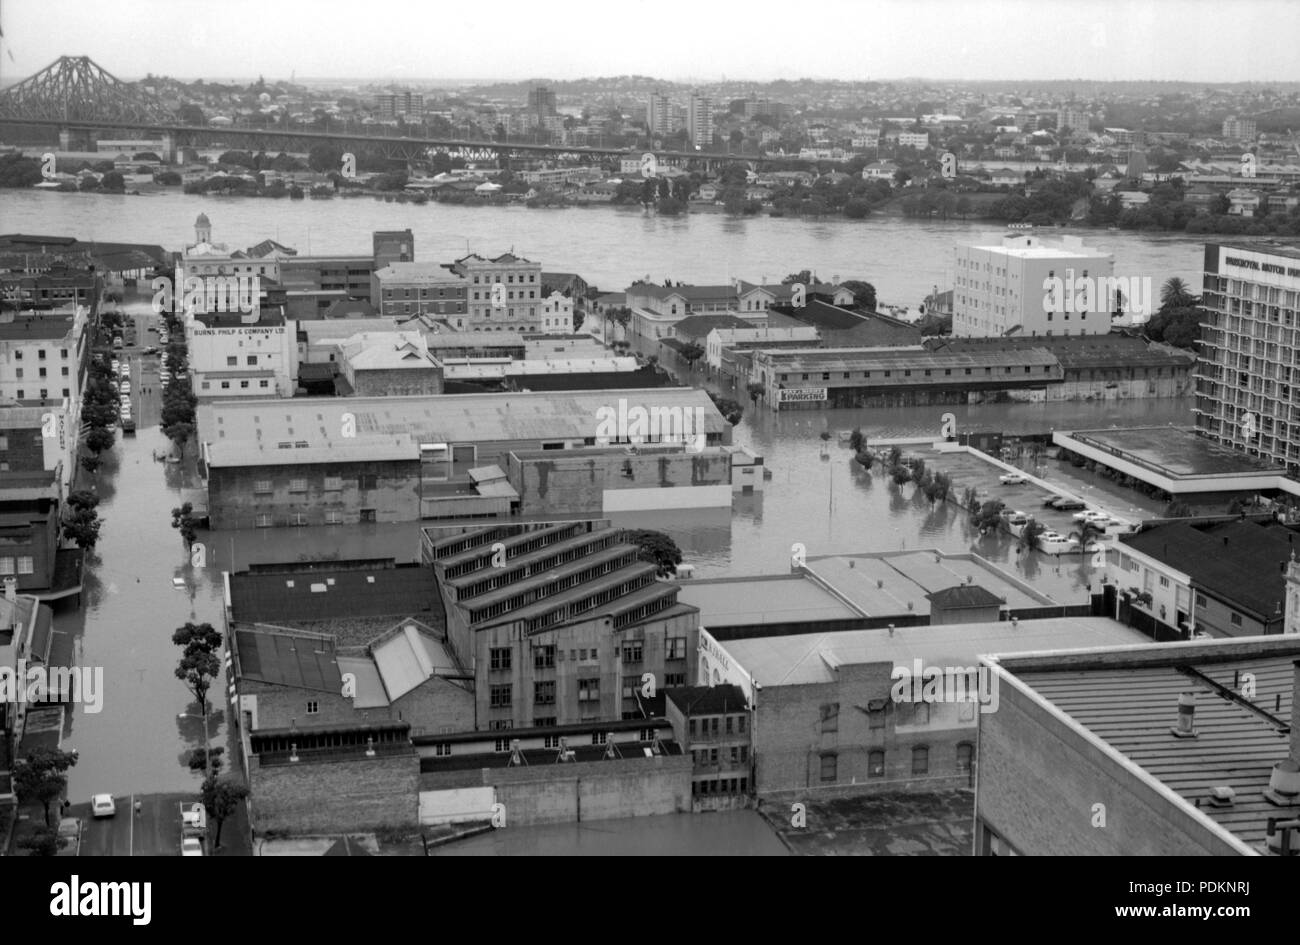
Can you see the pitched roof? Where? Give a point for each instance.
(1240, 562)
(285, 659)
(962, 596)
(699, 326)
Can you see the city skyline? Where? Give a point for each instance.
(1113, 40)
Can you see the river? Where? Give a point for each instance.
(137, 742)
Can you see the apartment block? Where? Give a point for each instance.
(1248, 372)
(699, 120)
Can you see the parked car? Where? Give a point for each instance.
(1013, 479)
(1091, 515)
(128, 426)
(1014, 517)
(103, 805)
(117, 343)
(194, 820)
(69, 831)
(152, 349)
(116, 366)
(191, 846)
(1066, 504)
(124, 387)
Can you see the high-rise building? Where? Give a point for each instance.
(392, 104)
(659, 114)
(1239, 129)
(1072, 117)
(541, 101)
(1018, 285)
(699, 120)
(1245, 382)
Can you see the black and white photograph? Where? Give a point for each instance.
(649, 430)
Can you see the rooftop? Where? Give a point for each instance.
(276, 594)
(798, 660)
(284, 659)
(1127, 701)
(1175, 451)
(707, 700)
(767, 599)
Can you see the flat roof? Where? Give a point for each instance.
(882, 585)
(1129, 701)
(779, 598)
(1176, 452)
(370, 590)
(797, 660)
(244, 432)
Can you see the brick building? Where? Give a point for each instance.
(713, 723)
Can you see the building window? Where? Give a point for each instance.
(264, 520)
(740, 724)
(1236, 619)
(313, 708)
(333, 483)
(442, 749)
(1164, 581)
(876, 764)
(252, 360)
(368, 482)
(920, 760)
(829, 767)
(263, 383)
(676, 648)
(262, 486)
(632, 652)
(830, 717)
(674, 679)
(922, 714)
(544, 693)
(1200, 600)
(232, 362)
(876, 713)
(499, 696)
(544, 657)
(500, 657)
(965, 752)
(225, 385)
(6, 566)
(588, 690)
(297, 485)
(690, 725)
(598, 738)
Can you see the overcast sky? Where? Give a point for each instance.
(683, 40)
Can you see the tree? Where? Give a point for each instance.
(918, 470)
(99, 439)
(43, 776)
(179, 433)
(112, 182)
(803, 276)
(731, 411)
(1174, 294)
(91, 463)
(857, 440)
(82, 499)
(864, 294)
(221, 798)
(900, 475)
(657, 548)
(895, 456)
(691, 353)
(988, 516)
(82, 527)
(44, 841)
(755, 390)
(1086, 534)
(1031, 536)
(183, 519)
(200, 663)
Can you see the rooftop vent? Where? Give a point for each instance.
(1221, 796)
(1186, 727)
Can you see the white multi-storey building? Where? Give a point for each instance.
(238, 355)
(699, 120)
(502, 294)
(1004, 286)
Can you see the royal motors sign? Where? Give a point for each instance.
(800, 395)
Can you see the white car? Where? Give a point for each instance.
(1091, 515)
(103, 805)
(124, 387)
(1013, 479)
(116, 366)
(191, 846)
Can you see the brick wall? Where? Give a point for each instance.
(24, 449)
(356, 794)
(397, 382)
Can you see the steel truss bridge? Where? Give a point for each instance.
(75, 95)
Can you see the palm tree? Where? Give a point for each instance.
(1031, 536)
(1085, 534)
(1174, 294)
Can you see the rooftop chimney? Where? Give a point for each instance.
(1186, 716)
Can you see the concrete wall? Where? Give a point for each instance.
(233, 501)
(1039, 779)
(347, 795)
(635, 786)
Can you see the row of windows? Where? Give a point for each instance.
(332, 517)
(709, 726)
(18, 373)
(329, 484)
(739, 755)
(40, 354)
(532, 294)
(21, 394)
(25, 565)
(233, 361)
(720, 786)
(876, 761)
(947, 372)
(532, 277)
(243, 385)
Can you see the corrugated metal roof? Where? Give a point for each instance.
(369, 686)
(288, 660)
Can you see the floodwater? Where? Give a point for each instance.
(138, 743)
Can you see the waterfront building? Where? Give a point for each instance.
(251, 355)
(405, 289)
(1168, 749)
(1246, 389)
(204, 258)
(713, 723)
(656, 310)
(1018, 284)
(502, 293)
(318, 461)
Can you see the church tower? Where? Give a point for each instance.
(202, 230)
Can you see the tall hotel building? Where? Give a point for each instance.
(699, 120)
(659, 114)
(1248, 372)
(1002, 288)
